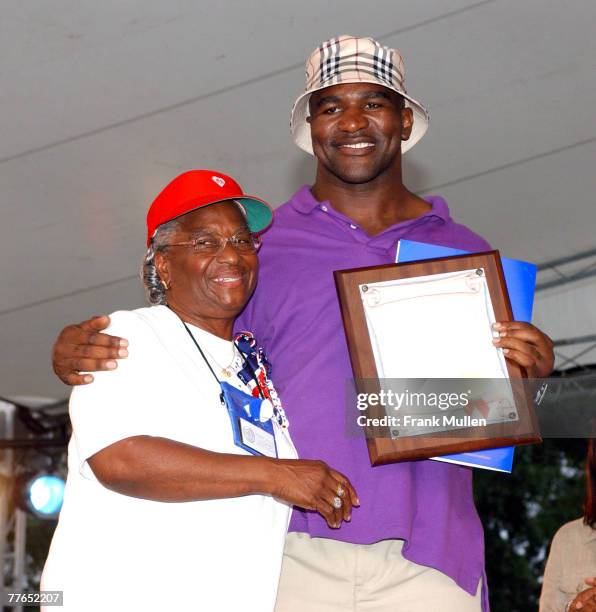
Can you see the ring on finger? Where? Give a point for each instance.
(337, 503)
(340, 491)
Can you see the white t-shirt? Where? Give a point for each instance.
(112, 552)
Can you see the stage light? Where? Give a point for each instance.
(43, 495)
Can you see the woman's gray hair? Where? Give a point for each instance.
(154, 288)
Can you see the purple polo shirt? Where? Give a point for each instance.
(295, 315)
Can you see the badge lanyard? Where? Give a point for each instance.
(256, 373)
(250, 416)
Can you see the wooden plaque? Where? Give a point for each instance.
(409, 297)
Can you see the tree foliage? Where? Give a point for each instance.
(522, 511)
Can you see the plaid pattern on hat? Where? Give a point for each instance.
(347, 59)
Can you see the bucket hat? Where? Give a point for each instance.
(347, 59)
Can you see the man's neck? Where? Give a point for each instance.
(374, 206)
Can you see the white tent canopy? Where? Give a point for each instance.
(102, 103)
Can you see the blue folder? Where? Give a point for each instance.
(520, 278)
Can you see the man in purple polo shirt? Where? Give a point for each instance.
(416, 542)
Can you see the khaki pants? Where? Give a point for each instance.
(322, 575)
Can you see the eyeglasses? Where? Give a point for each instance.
(212, 244)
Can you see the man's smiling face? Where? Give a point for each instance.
(357, 129)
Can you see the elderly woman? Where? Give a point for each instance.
(181, 467)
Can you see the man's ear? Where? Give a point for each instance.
(407, 123)
(162, 265)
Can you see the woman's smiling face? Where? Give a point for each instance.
(209, 286)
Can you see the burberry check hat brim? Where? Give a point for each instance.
(347, 59)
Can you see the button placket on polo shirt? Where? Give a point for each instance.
(354, 232)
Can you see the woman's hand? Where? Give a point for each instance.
(313, 485)
(165, 470)
(586, 600)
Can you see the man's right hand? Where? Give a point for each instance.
(82, 348)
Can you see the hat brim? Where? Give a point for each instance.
(259, 214)
(301, 129)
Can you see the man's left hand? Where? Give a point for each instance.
(527, 346)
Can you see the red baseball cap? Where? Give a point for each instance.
(197, 188)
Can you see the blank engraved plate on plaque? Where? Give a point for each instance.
(423, 327)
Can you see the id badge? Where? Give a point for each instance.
(251, 421)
